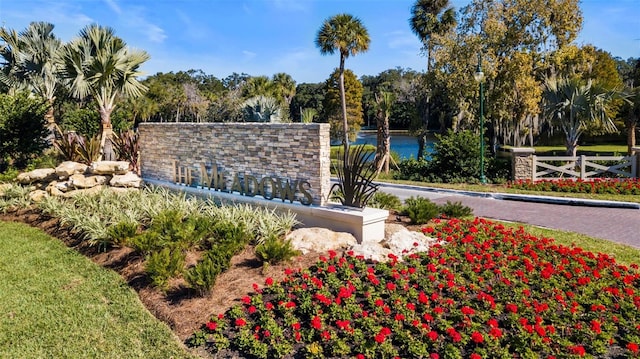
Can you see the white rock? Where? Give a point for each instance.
(109, 167)
(320, 240)
(38, 195)
(403, 241)
(371, 251)
(37, 175)
(129, 179)
(68, 168)
(63, 186)
(82, 181)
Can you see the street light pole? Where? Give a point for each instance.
(479, 77)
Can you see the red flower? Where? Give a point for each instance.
(434, 356)
(578, 350)
(296, 326)
(316, 323)
(475, 356)
(246, 299)
(433, 335)
(240, 322)
(595, 326)
(268, 281)
(467, 310)
(512, 308)
(325, 335)
(212, 325)
(360, 356)
(477, 337)
(495, 332)
(633, 347)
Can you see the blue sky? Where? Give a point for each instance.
(263, 37)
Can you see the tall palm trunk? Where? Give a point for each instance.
(343, 100)
(106, 148)
(631, 136)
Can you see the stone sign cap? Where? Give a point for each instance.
(522, 151)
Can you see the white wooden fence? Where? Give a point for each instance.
(584, 167)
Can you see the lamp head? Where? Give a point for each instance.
(479, 75)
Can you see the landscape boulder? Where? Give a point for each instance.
(37, 175)
(129, 179)
(109, 167)
(372, 251)
(69, 168)
(315, 239)
(402, 241)
(81, 181)
(38, 195)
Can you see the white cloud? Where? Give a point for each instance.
(248, 55)
(114, 6)
(402, 39)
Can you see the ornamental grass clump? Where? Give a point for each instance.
(482, 291)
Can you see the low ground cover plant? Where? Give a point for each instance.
(164, 227)
(483, 291)
(598, 185)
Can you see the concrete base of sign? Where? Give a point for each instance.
(366, 224)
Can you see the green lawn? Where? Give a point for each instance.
(589, 150)
(56, 303)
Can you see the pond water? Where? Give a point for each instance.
(406, 146)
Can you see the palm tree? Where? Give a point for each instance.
(384, 103)
(99, 64)
(284, 87)
(347, 35)
(428, 18)
(576, 106)
(32, 61)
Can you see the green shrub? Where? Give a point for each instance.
(23, 130)
(385, 201)
(275, 249)
(420, 210)
(412, 170)
(164, 265)
(9, 175)
(455, 210)
(202, 277)
(121, 232)
(229, 232)
(147, 242)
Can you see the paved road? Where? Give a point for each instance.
(620, 225)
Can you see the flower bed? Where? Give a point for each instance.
(483, 291)
(599, 185)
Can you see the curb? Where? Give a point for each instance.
(585, 202)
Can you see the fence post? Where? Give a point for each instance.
(635, 151)
(583, 167)
(522, 163)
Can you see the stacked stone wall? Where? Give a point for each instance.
(295, 152)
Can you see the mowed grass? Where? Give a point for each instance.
(591, 150)
(56, 303)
